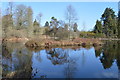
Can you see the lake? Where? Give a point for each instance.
(103, 61)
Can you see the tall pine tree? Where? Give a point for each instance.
(118, 19)
(109, 22)
(98, 27)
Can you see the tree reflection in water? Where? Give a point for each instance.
(18, 60)
(110, 53)
(59, 56)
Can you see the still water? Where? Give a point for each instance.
(65, 62)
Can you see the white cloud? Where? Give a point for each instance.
(107, 75)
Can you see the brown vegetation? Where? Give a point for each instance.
(14, 39)
(75, 42)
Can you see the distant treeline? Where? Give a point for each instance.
(17, 21)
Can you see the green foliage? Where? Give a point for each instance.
(84, 34)
(90, 34)
(54, 24)
(75, 27)
(110, 53)
(109, 22)
(46, 24)
(98, 27)
(108, 13)
(108, 26)
(57, 29)
(22, 22)
(119, 24)
(99, 35)
(35, 23)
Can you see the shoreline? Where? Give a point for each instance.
(74, 42)
(51, 43)
(27, 39)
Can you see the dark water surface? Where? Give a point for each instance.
(72, 62)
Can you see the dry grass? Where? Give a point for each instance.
(75, 42)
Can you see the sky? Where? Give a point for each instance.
(87, 12)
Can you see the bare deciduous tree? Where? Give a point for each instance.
(39, 16)
(84, 26)
(20, 16)
(7, 19)
(71, 17)
(10, 6)
(24, 19)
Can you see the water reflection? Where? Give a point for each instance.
(57, 56)
(16, 60)
(69, 62)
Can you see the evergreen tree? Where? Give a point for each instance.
(54, 25)
(35, 23)
(119, 24)
(75, 27)
(46, 24)
(98, 27)
(109, 22)
(36, 27)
